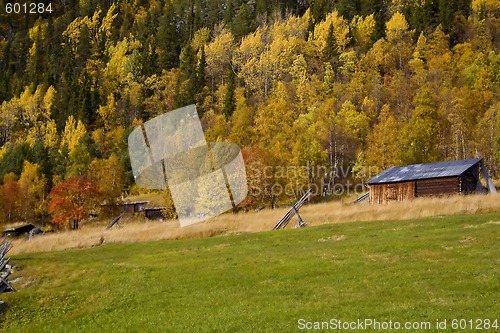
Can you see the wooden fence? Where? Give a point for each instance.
(294, 210)
(5, 270)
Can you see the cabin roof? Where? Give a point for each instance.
(423, 171)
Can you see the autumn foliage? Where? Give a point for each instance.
(332, 85)
(71, 201)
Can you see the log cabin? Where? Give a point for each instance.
(400, 183)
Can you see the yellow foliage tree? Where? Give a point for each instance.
(107, 141)
(104, 31)
(246, 59)
(485, 7)
(218, 55)
(355, 123)
(399, 35)
(74, 131)
(384, 145)
(122, 60)
(108, 112)
(362, 30)
(273, 125)
(242, 120)
(265, 56)
(24, 118)
(108, 174)
(340, 31)
(397, 27)
(72, 33)
(32, 185)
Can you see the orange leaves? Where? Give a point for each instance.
(71, 200)
(12, 193)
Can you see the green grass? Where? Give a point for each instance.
(423, 270)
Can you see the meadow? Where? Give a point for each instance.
(137, 229)
(421, 269)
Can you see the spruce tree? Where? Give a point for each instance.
(200, 72)
(229, 12)
(167, 41)
(243, 22)
(187, 83)
(330, 50)
(229, 99)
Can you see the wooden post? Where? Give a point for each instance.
(294, 210)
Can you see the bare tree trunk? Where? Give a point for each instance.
(463, 145)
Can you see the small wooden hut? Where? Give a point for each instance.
(154, 213)
(400, 183)
(123, 207)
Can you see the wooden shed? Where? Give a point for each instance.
(18, 231)
(154, 213)
(421, 180)
(123, 207)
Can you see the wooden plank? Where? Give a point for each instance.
(5, 286)
(3, 263)
(362, 198)
(386, 193)
(282, 223)
(437, 186)
(115, 221)
(4, 247)
(5, 270)
(489, 182)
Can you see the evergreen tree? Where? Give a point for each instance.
(18, 58)
(320, 8)
(229, 12)
(197, 16)
(84, 47)
(379, 9)
(187, 82)
(229, 98)
(243, 22)
(5, 72)
(61, 161)
(42, 156)
(52, 55)
(13, 159)
(35, 65)
(201, 69)
(167, 40)
(330, 50)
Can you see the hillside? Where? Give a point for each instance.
(341, 89)
(419, 271)
(134, 229)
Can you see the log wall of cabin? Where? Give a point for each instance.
(385, 193)
(437, 186)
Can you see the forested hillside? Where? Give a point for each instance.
(359, 84)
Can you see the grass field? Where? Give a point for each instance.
(427, 269)
(141, 230)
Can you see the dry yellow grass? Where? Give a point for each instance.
(140, 230)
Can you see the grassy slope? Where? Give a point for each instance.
(136, 229)
(427, 269)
